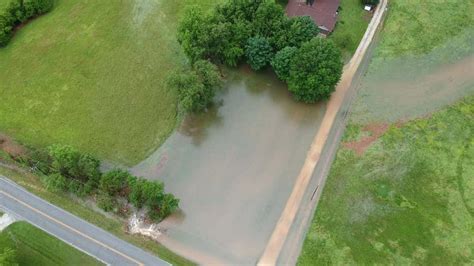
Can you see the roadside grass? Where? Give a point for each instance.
(92, 75)
(408, 200)
(417, 26)
(35, 247)
(78, 208)
(350, 28)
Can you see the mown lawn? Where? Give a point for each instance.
(92, 74)
(350, 28)
(35, 247)
(409, 199)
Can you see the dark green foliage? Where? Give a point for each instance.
(136, 195)
(315, 70)
(197, 87)
(259, 52)
(83, 169)
(301, 30)
(281, 62)
(17, 12)
(194, 34)
(270, 21)
(370, 2)
(114, 182)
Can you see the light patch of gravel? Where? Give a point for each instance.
(6, 220)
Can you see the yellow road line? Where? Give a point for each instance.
(72, 229)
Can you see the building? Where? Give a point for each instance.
(323, 12)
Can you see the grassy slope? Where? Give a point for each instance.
(408, 199)
(351, 26)
(91, 74)
(116, 227)
(35, 247)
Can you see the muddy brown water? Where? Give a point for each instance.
(233, 169)
(412, 86)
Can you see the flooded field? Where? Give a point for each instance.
(233, 169)
(415, 85)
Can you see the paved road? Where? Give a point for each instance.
(71, 229)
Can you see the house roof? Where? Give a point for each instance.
(323, 12)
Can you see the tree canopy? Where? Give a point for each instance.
(315, 70)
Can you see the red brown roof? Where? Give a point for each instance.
(323, 12)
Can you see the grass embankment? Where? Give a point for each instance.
(408, 200)
(350, 28)
(115, 226)
(35, 247)
(92, 75)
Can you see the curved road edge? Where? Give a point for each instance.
(71, 229)
(279, 236)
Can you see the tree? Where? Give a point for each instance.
(114, 182)
(271, 22)
(196, 88)
(301, 30)
(8, 257)
(194, 34)
(136, 196)
(281, 62)
(315, 70)
(259, 52)
(208, 74)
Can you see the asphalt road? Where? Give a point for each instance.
(71, 229)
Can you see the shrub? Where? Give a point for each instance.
(315, 70)
(107, 202)
(137, 196)
(370, 2)
(55, 182)
(259, 52)
(114, 182)
(72, 164)
(281, 62)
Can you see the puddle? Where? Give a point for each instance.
(234, 167)
(413, 86)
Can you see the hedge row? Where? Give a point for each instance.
(66, 169)
(19, 11)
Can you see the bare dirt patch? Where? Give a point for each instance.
(376, 130)
(9, 146)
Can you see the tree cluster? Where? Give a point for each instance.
(239, 29)
(66, 169)
(17, 12)
(196, 87)
(259, 32)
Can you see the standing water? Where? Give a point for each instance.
(233, 169)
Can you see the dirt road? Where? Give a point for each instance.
(277, 240)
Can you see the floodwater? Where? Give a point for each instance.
(233, 169)
(415, 85)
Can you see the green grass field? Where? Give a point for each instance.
(350, 28)
(92, 74)
(417, 26)
(35, 247)
(408, 200)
